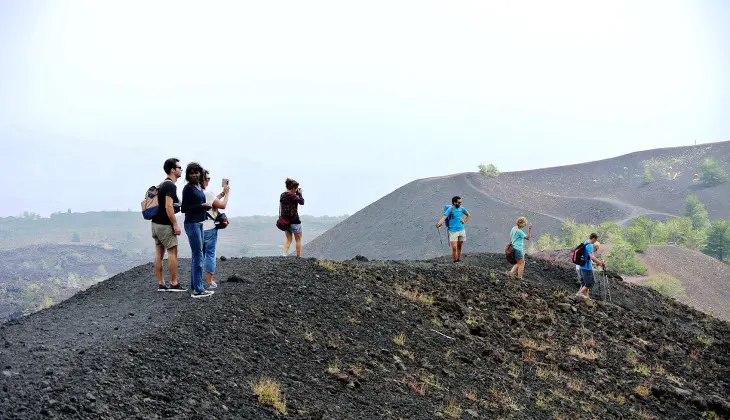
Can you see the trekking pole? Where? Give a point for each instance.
(605, 274)
(438, 230)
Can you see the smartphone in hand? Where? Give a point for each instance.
(225, 182)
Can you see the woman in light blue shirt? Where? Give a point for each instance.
(517, 236)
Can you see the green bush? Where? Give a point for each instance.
(667, 285)
(695, 210)
(608, 232)
(636, 236)
(546, 243)
(711, 173)
(648, 177)
(488, 170)
(622, 258)
(718, 241)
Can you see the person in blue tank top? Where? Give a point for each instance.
(457, 216)
(517, 237)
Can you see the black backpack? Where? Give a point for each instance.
(579, 254)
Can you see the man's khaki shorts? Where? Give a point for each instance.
(164, 235)
(459, 236)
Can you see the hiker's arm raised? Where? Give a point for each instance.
(529, 232)
(217, 203)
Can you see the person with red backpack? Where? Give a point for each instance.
(584, 256)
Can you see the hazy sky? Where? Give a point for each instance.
(348, 97)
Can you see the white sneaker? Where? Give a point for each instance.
(201, 294)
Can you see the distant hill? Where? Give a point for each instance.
(365, 340)
(401, 224)
(130, 233)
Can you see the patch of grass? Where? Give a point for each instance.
(590, 343)
(471, 320)
(583, 353)
(492, 275)
(334, 367)
(269, 393)
(400, 339)
(356, 369)
(560, 293)
(448, 354)
(451, 410)
(529, 343)
(674, 379)
(368, 300)
(576, 384)
(707, 341)
(667, 285)
(515, 315)
(418, 389)
(632, 358)
(642, 390)
(529, 357)
(430, 380)
(542, 401)
(415, 296)
(514, 370)
(710, 415)
(329, 265)
(642, 369)
(547, 373)
(471, 395)
(437, 322)
(407, 353)
(353, 320)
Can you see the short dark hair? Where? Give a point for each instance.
(593, 236)
(454, 199)
(192, 168)
(170, 164)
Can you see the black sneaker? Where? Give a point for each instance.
(176, 288)
(202, 293)
(161, 287)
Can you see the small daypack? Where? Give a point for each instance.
(151, 203)
(579, 254)
(451, 216)
(509, 253)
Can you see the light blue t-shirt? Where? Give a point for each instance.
(517, 238)
(455, 224)
(589, 263)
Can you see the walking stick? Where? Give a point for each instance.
(438, 230)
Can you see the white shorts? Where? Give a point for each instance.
(459, 236)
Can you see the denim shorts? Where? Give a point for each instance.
(295, 228)
(519, 254)
(587, 277)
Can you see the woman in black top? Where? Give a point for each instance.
(194, 207)
(289, 202)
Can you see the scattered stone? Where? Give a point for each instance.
(223, 258)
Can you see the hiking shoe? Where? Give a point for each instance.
(212, 285)
(161, 287)
(176, 288)
(202, 293)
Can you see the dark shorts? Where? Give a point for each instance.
(519, 254)
(587, 277)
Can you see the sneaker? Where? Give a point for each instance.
(212, 285)
(202, 293)
(176, 288)
(161, 287)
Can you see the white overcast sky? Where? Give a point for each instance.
(353, 97)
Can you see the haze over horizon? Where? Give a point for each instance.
(352, 100)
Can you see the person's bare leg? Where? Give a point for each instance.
(287, 244)
(210, 278)
(454, 250)
(512, 271)
(458, 249)
(159, 254)
(172, 265)
(520, 268)
(298, 238)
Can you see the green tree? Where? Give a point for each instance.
(622, 258)
(608, 232)
(718, 241)
(695, 210)
(667, 285)
(547, 242)
(636, 236)
(678, 229)
(711, 173)
(488, 170)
